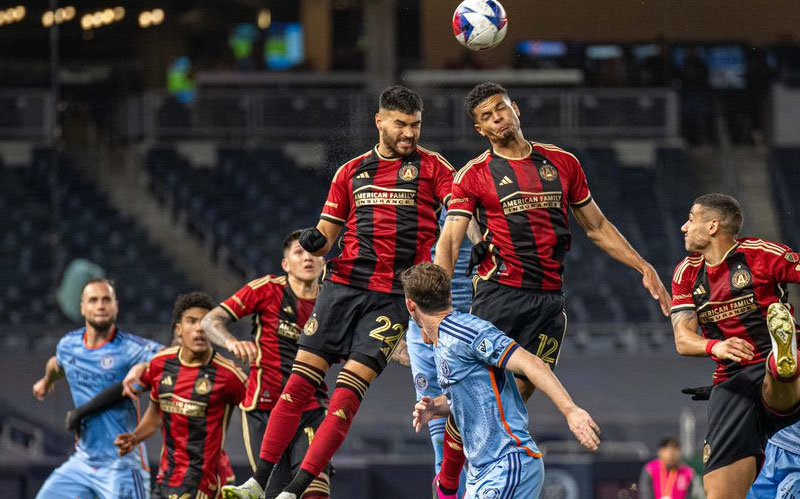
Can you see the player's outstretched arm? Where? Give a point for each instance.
(109, 397)
(579, 421)
(453, 232)
(428, 408)
(691, 344)
(215, 325)
(150, 423)
(606, 236)
(52, 373)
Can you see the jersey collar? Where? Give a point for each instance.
(101, 345)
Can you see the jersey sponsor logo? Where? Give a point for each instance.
(741, 278)
(421, 381)
(107, 362)
(505, 181)
(178, 405)
(715, 312)
(454, 201)
(203, 386)
(524, 201)
(408, 172)
(485, 346)
(373, 195)
(681, 297)
(288, 330)
(548, 172)
(167, 380)
(311, 326)
(331, 204)
(792, 257)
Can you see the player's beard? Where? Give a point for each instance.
(391, 143)
(102, 326)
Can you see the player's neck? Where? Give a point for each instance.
(431, 321)
(515, 148)
(306, 290)
(94, 337)
(718, 250)
(188, 357)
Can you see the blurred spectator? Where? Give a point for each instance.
(667, 478)
(759, 79)
(695, 98)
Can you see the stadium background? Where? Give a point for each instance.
(175, 143)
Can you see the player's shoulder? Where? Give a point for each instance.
(761, 247)
(688, 268)
(351, 164)
(72, 339)
(435, 157)
(474, 166)
(554, 152)
(267, 282)
(227, 366)
(165, 354)
(464, 327)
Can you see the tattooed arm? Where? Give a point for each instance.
(215, 325)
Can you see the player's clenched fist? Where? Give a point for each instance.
(735, 349)
(125, 443)
(584, 428)
(245, 351)
(312, 240)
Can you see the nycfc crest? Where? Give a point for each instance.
(421, 381)
(311, 326)
(490, 493)
(740, 278)
(202, 386)
(107, 362)
(548, 172)
(408, 172)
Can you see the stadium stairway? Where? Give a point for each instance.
(117, 172)
(753, 191)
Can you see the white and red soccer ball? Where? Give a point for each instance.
(480, 24)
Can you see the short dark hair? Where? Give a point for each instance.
(290, 239)
(96, 280)
(190, 300)
(669, 442)
(427, 285)
(480, 93)
(400, 98)
(728, 208)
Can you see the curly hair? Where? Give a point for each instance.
(190, 300)
(480, 93)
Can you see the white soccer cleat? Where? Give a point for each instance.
(248, 490)
(286, 495)
(784, 340)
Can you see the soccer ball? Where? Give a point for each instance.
(480, 24)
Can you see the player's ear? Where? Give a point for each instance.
(515, 107)
(713, 226)
(410, 305)
(285, 265)
(479, 129)
(378, 119)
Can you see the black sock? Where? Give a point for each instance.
(263, 471)
(445, 490)
(300, 483)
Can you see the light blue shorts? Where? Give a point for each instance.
(515, 476)
(779, 477)
(77, 479)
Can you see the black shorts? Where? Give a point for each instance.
(537, 320)
(739, 423)
(164, 491)
(355, 323)
(254, 424)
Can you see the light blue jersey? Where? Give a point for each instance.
(471, 355)
(788, 439)
(89, 371)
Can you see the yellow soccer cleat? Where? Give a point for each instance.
(248, 490)
(784, 340)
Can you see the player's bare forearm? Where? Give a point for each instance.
(532, 367)
(687, 341)
(474, 232)
(215, 325)
(52, 371)
(453, 232)
(400, 354)
(150, 423)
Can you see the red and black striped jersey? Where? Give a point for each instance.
(388, 207)
(196, 401)
(521, 207)
(278, 320)
(732, 297)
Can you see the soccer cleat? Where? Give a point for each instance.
(437, 492)
(784, 340)
(248, 490)
(286, 495)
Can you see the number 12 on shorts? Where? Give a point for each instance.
(547, 347)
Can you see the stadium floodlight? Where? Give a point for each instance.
(48, 19)
(107, 16)
(69, 13)
(157, 16)
(145, 19)
(87, 22)
(119, 13)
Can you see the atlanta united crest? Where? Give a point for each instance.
(548, 172)
(741, 278)
(202, 386)
(408, 172)
(311, 326)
